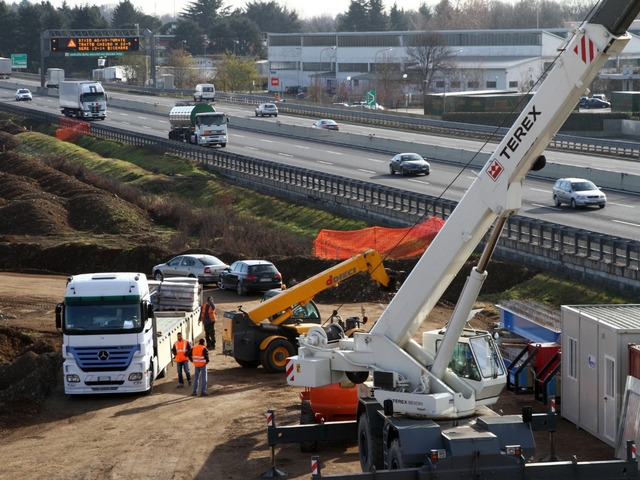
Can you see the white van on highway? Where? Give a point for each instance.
(205, 92)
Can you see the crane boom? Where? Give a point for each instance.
(424, 379)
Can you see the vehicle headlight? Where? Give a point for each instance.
(73, 378)
(135, 377)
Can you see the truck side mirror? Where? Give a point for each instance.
(59, 316)
(149, 310)
(227, 119)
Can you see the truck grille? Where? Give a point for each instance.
(101, 359)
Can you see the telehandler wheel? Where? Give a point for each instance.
(369, 446)
(307, 417)
(396, 459)
(248, 363)
(274, 357)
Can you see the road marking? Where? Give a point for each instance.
(540, 190)
(126, 123)
(626, 223)
(325, 163)
(142, 118)
(301, 146)
(265, 140)
(375, 160)
(239, 136)
(124, 114)
(251, 148)
(366, 171)
(285, 155)
(335, 153)
(545, 206)
(419, 181)
(147, 127)
(621, 205)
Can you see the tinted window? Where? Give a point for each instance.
(211, 261)
(582, 186)
(263, 269)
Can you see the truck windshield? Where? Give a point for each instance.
(93, 97)
(113, 318)
(212, 120)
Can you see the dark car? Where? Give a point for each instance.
(206, 268)
(595, 103)
(409, 164)
(250, 275)
(578, 192)
(326, 124)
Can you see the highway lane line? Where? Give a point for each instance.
(265, 140)
(366, 171)
(325, 163)
(301, 146)
(335, 153)
(540, 190)
(626, 223)
(375, 160)
(621, 205)
(419, 181)
(251, 148)
(545, 206)
(285, 155)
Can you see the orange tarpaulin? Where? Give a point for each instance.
(71, 130)
(390, 242)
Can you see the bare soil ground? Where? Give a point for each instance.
(170, 435)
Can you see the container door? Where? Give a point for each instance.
(609, 398)
(588, 371)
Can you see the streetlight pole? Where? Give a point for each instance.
(375, 58)
(349, 91)
(406, 96)
(299, 66)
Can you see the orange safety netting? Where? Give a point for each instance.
(71, 130)
(390, 242)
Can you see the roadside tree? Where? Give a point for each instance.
(237, 74)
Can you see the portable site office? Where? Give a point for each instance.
(595, 364)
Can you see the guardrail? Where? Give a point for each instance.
(607, 261)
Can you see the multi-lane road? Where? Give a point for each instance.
(620, 217)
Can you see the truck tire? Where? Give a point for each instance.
(307, 417)
(396, 459)
(151, 374)
(248, 363)
(162, 373)
(274, 357)
(369, 446)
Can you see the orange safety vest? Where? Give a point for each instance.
(208, 313)
(181, 350)
(197, 356)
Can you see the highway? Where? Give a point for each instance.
(619, 218)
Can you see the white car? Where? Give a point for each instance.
(267, 109)
(23, 94)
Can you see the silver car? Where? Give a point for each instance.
(267, 109)
(578, 192)
(409, 164)
(206, 268)
(23, 94)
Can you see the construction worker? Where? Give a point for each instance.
(199, 355)
(208, 317)
(180, 351)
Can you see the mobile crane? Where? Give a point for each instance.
(420, 405)
(266, 334)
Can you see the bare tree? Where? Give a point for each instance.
(430, 54)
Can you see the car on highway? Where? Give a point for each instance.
(249, 276)
(267, 109)
(23, 94)
(326, 125)
(595, 103)
(409, 164)
(206, 268)
(578, 192)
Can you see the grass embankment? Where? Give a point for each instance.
(170, 178)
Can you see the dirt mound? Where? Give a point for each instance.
(9, 127)
(8, 141)
(38, 200)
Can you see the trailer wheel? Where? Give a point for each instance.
(248, 363)
(274, 357)
(396, 459)
(369, 446)
(307, 417)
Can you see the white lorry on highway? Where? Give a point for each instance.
(83, 100)
(199, 124)
(116, 339)
(53, 77)
(5, 67)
